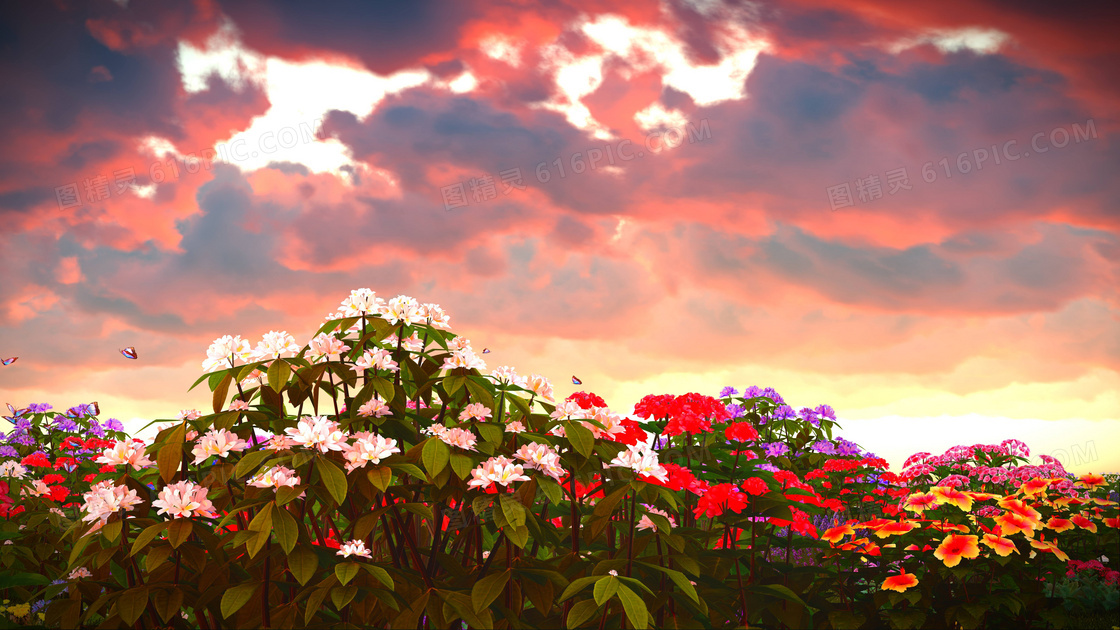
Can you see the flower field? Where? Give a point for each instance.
(383, 475)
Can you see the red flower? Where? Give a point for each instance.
(681, 478)
(755, 486)
(107, 469)
(654, 406)
(587, 400)
(53, 478)
(785, 477)
(39, 460)
(740, 432)
(815, 474)
(69, 462)
(631, 435)
(58, 493)
(720, 497)
(694, 413)
(90, 477)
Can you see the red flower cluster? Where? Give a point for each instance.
(755, 486)
(720, 497)
(655, 407)
(838, 465)
(681, 478)
(631, 435)
(740, 432)
(38, 460)
(694, 413)
(587, 400)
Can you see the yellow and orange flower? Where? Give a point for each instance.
(1068, 501)
(948, 527)
(1059, 524)
(1113, 522)
(1100, 501)
(955, 547)
(1034, 486)
(982, 496)
(951, 496)
(874, 523)
(1091, 480)
(834, 534)
(1002, 546)
(1012, 523)
(1084, 523)
(919, 502)
(853, 544)
(917, 548)
(1022, 509)
(900, 582)
(895, 528)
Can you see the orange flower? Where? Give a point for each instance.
(1034, 486)
(1084, 523)
(1012, 523)
(871, 549)
(900, 582)
(955, 547)
(919, 502)
(1091, 480)
(948, 527)
(981, 496)
(1067, 501)
(1046, 546)
(1002, 546)
(848, 546)
(895, 529)
(917, 548)
(836, 533)
(952, 496)
(1103, 501)
(874, 523)
(1113, 522)
(1059, 524)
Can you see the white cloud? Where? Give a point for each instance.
(978, 40)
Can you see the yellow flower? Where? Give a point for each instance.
(21, 610)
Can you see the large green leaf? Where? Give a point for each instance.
(581, 612)
(278, 374)
(146, 536)
(250, 462)
(435, 455)
(131, 604)
(236, 597)
(287, 532)
(581, 438)
(634, 606)
(345, 571)
(302, 562)
(513, 511)
(605, 589)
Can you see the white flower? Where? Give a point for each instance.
(80, 572)
(613, 572)
(362, 302)
(188, 414)
(436, 317)
(353, 548)
(404, 309)
(496, 470)
(104, 499)
(379, 359)
(317, 432)
(515, 427)
(569, 409)
(541, 457)
(412, 343)
(642, 461)
(506, 374)
(184, 499)
(255, 378)
(238, 405)
(12, 469)
(541, 386)
(225, 352)
(458, 343)
(464, 358)
(647, 523)
(461, 438)
(275, 477)
(477, 411)
(276, 345)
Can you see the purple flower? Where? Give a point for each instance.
(784, 412)
(62, 423)
(95, 429)
(844, 447)
(8, 451)
(773, 395)
(39, 407)
(112, 424)
(824, 446)
(826, 411)
(22, 424)
(775, 449)
(736, 411)
(753, 391)
(728, 391)
(767, 466)
(810, 416)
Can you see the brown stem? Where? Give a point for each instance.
(266, 622)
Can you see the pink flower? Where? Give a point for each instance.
(280, 443)
(375, 408)
(496, 470)
(275, 345)
(188, 414)
(515, 427)
(436, 317)
(275, 477)
(405, 309)
(325, 347)
(184, 500)
(362, 302)
(541, 386)
(541, 457)
(80, 572)
(317, 432)
(225, 352)
(104, 499)
(130, 452)
(368, 448)
(238, 405)
(353, 548)
(476, 411)
(506, 374)
(379, 359)
(647, 523)
(217, 442)
(461, 438)
(464, 358)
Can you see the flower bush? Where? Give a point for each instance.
(382, 475)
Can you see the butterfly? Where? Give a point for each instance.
(129, 352)
(10, 361)
(16, 413)
(486, 351)
(576, 381)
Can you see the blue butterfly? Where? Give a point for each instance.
(576, 381)
(129, 352)
(16, 413)
(10, 361)
(486, 351)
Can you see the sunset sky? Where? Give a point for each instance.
(908, 211)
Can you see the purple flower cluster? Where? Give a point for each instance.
(774, 449)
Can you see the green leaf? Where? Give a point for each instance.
(169, 458)
(518, 535)
(606, 506)
(453, 383)
(146, 536)
(408, 469)
(345, 571)
(581, 612)
(435, 455)
(581, 438)
(131, 604)
(486, 590)
(287, 532)
(490, 432)
(111, 530)
(334, 479)
(551, 489)
(179, 531)
(381, 575)
(262, 524)
(420, 510)
(634, 606)
(480, 393)
(383, 387)
(461, 465)
(342, 595)
(278, 374)
(250, 462)
(513, 510)
(303, 562)
(780, 591)
(605, 589)
(287, 494)
(576, 586)
(844, 620)
(221, 391)
(236, 597)
(679, 579)
(22, 579)
(381, 477)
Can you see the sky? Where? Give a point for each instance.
(908, 211)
